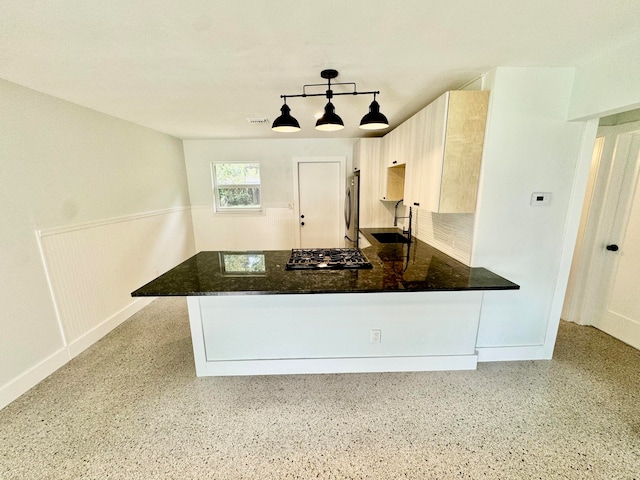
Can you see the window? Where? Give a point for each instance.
(236, 186)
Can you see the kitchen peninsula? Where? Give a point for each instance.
(417, 309)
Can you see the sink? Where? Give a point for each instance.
(389, 237)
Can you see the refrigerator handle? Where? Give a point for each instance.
(347, 209)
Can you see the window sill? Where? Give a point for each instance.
(240, 213)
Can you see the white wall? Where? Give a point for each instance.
(607, 84)
(66, 168)
(274, 227)
(529, 147)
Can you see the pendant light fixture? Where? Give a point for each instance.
(285, 122)
(374, 120)
(330, 121)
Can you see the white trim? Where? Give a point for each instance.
(509, 354)
(30, 378)
(216, 188)
(623, 328)
(54, 301)
(109, 221)
(197, 335)
(574, 298)
(230, 213)
(572, 225)
(92, 336)
(340, 365)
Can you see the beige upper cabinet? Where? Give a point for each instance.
(413, 172)
(394, 146)
(443, 168)
(367, 158)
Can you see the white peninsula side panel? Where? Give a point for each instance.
(332, 333)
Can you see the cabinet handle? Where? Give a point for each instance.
(416, 204)
(302, 223)
(301, 216)
(612, 248)
(395, 161)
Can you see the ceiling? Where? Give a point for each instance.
(201, 68)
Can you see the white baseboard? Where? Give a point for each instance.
(95, 334)
(29, 379)
(625, 329)
(339, 365)
(510, 354)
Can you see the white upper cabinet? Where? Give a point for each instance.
(443, 168)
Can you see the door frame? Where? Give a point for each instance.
(605, 222)
(342, 160)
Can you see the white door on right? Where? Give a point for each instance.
(621, 317)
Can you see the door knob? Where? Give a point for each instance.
(612, 248)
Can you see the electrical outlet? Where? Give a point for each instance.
(376, 336)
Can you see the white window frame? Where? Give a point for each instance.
(217, 208)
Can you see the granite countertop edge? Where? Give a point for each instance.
(396, 268)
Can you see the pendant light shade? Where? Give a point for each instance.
(285, 122)
(374, 120)
(330, 121)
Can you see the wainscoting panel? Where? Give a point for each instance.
(272, 229)
(94, 267)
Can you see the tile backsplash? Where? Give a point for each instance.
(451, 233)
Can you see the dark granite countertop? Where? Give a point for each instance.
(396, 267)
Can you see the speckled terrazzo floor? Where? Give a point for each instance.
(131, 407)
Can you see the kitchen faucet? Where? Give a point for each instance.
(396, 217)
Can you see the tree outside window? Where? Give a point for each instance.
(236, 186)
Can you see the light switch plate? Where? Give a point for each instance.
(540, 198)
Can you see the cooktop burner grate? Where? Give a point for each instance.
(327, 258)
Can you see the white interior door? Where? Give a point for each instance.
(621, 317)
(320, 197)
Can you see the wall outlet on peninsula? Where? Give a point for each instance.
(376, 336)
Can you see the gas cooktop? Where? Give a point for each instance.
(327, 258)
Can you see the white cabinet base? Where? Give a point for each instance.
(331, 333)
(338, 365)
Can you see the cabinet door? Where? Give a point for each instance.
(394, 145)
(462, 156)
(414, 155)
(432, 155)
(372, 211)
(357, 154)
(390, 172)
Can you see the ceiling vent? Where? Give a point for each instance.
(258, 121)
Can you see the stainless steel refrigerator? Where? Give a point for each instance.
(352, 211)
